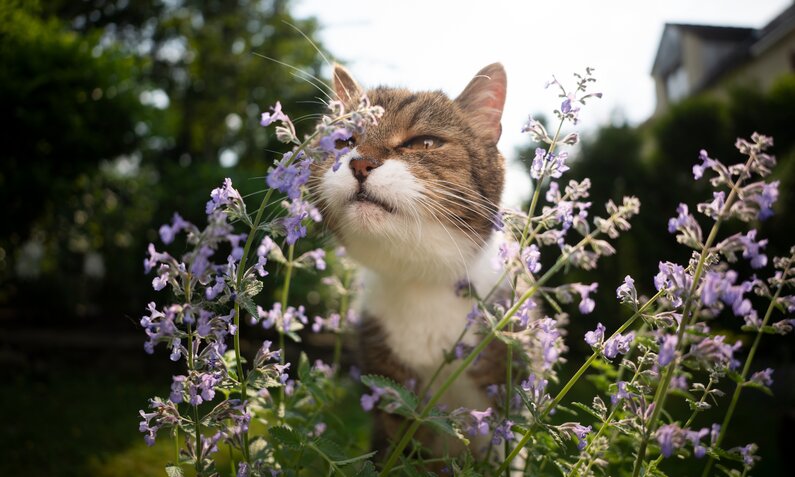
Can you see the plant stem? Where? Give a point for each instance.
(346, 283)
(687, 313)
(746, 369)
(285, 296)
(562, 393)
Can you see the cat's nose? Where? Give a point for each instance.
(361, 168)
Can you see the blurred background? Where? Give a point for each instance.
(119, 113)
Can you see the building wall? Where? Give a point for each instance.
(763, 70)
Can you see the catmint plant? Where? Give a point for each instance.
(671, 347)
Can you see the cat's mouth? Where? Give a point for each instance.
(363, 197)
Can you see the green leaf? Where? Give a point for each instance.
(588, 409)
(174, 471)
(442, 422)
(367, 470)
(251, 287)
(394, 393)
(330, 449)
(248, 304)
(356, 459)
(303, 367)
(286, 436)
(759, 386)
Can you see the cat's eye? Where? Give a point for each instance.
(422, 143)
(349, 143)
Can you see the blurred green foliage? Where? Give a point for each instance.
(122, 113)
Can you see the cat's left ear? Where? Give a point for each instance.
(483, 100)
(345, 87)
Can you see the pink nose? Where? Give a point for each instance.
(361, 168)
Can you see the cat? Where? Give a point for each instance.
(414, 203)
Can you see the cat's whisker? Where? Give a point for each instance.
(460, 253)
(464, 190)
(307, 80)
(455, 221)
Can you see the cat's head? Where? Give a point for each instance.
(418, 193)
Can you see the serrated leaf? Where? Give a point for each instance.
(442, 423)
(588, 410)
(251, 287)
(174, 471)
(367, 470)
(406, 400)
(248, 304)
(286, 436)
(330, 449)
(353, 460)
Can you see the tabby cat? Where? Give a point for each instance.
(415, 203)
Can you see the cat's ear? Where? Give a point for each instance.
(345, 87)
(483, 99)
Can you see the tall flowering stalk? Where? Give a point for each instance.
(211, 298)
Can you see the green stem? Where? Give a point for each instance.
(508, 389)
(567, 387)
(746, 369)
(285, 296)
(346, 283)
(687, 312)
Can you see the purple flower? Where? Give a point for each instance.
(531, 256)
(619, 344)
(695, 439)
(328, 144)
(621, 393)
(764, 377)
(581, 432)
(626, 292)
(667, 350)
(369, 401)
(751, 250)
(698, 169)
(275, 115)
(480, 426)
(537, 166)
(473, 315)
(503, 432)
(766, 199)
(168, 232)
(675, 280)
(595, 338)
(318, 257)
(289, 175)
(586, 303)
(670, 438)
(223, 196)
(508, 251)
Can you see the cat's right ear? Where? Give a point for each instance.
(345, 87)
(483, 100)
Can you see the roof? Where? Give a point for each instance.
(750, 42)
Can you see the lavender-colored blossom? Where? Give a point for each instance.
(626, 292)
(368, 401)
(503, 432)
(621, 393)
(695, 440)
(715, 353)
(766, 199)
(531, 256)
(290, 174)
(480, 425)
(764, 377)
(619, 344)
(595, 337)
(318, 257)
(586, 303)
(525, 312)
(706, 162)
(226, 195)
(747, 453)
(751, 249)
(667, 350)
(670, 438)
(674, 279)
(508, 251)
(276, 114)
(168, 232)
(537, 166)
(328, 144)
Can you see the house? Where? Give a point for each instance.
(693, 59)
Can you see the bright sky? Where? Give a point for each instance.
(442, 44)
